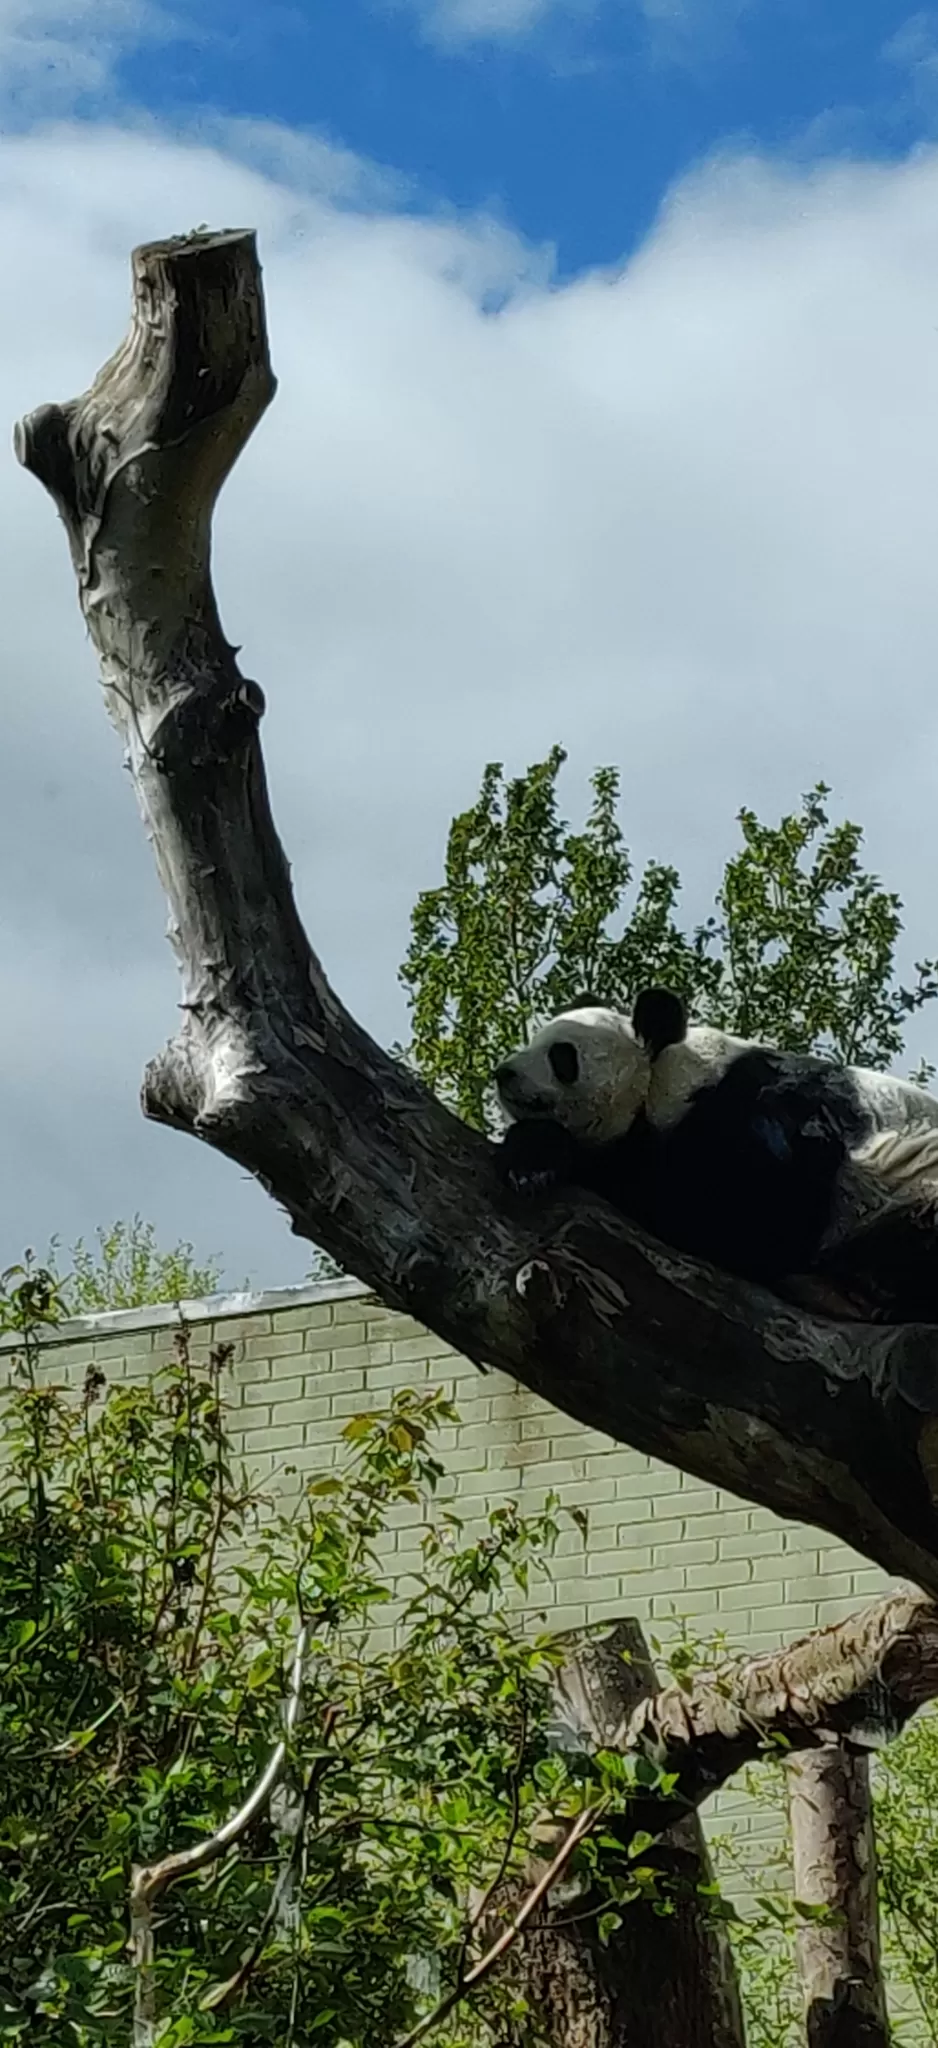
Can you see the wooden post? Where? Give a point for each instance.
(835, 1869)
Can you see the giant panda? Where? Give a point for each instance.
(725, 1147)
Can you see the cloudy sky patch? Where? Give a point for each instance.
(675, 509)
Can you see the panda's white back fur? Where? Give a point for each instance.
(904, 1160)
(700, 1059)
(892, 1104)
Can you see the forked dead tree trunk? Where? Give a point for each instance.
(832, 1424)
(834, 1855)
(860, 1680)
(835, 1425)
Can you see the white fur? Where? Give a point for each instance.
(702, 1058)
(902, 1159)
(894, 1105)
(617, 1078)
(614, 1075)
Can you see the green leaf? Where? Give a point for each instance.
(357, 1427)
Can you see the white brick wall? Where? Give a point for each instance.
(660, 1543)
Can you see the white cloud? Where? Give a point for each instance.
(913, 53)
(57, 54)
(914, 43)
(678, 32)
(681, 517)
(691, 33)
(456, 21)
(306, 162)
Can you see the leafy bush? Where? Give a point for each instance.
(130, 1271)
(140, 1701)
(764, 1929)
(906, 1816)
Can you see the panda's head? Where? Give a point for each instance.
(590, 1068)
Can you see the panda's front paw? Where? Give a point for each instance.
(535, 1156)
(535, 1182)
(795, 1140)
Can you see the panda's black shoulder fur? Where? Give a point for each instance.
(747, 1176)
(799, 1086)
(747, 1173)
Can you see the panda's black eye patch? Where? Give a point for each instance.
(564, 1062)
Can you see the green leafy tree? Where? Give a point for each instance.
(907, 1845)
(807, 942)
(129, 1270)
(800, 946)
(140, 1702)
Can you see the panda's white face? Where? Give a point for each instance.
(585, 1069)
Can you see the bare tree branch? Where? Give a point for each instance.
(834, 1425)
(858, 1681)
(576, 1833)
(848, 1688)
(660, 1979)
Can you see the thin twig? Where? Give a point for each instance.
(223, 1993)
(89, 1452)
(150, 1880)
(218, 1521)
(583, 1826)
(488, 1895)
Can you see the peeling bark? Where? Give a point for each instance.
(857, 1682)
(662, 1980)
(834, 1857)
(670, 1983)
(831, 1424)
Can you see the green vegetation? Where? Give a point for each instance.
(128, 1270)
(800, 947)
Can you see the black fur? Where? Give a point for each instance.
(890, 1267)
(539, 1156)
(659, 1019)
(746, 1177)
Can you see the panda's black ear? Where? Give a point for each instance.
(592, 1002)
(659, 1019)
(589, 1002)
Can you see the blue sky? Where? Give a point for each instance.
(607, 347)
(569, 120)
